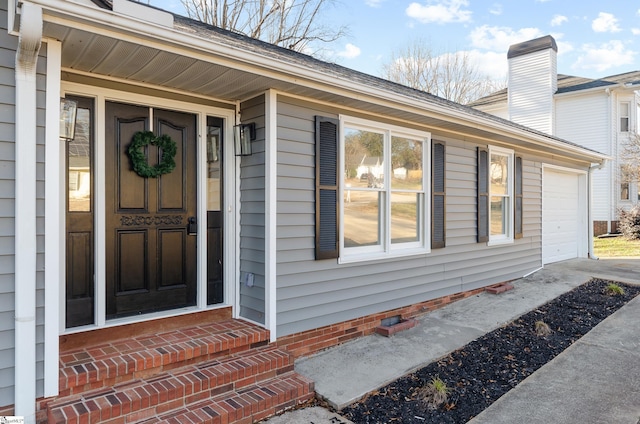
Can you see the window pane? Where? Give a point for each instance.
(362, 219)
(404, 217)
(499, 215)
(499, 174)
(79, 162)
(624, 124)
(624, 191)
(624, 109)
(364, 158)
(213, 168)
(406, 164)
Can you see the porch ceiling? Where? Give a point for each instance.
(109, 57)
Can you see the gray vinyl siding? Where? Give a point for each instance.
(312, 293)
(7, 209)
(252, 215)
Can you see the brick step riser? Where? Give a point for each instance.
(164, 393)
(117, 368)
(245, 406)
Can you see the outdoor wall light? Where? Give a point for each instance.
(243, 135)
(68, 111)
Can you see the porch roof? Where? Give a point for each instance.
(206, 61)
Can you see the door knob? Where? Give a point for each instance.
(192, 227)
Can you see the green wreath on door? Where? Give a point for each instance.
(139, 161)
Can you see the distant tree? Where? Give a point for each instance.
(630, 159)
(452, 76)
(293, 24)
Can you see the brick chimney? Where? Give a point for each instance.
(533, 80)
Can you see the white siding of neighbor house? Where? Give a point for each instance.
(500, 110)
(532, 83)
(312, 293)
(585, 119)
(8, 45)
(252, 215)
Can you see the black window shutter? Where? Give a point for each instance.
(518, 198)
(438, 196)
(326, 138)
(483, 195)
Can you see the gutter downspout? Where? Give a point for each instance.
(590, 253)
(29, 43)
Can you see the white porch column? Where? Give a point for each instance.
(25, 212)
(54, 222)
(271, 208)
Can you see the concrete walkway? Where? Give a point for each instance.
(348, 372)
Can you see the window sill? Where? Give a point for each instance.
(382, 256)
(500, 242)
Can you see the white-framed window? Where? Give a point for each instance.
(501, 202)
(385, 183)
(624, 116)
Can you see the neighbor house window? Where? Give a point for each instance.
(624, 191)
(501, 195)
(385, 183)
(625, 178)
(624, 116)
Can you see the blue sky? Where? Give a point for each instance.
(595, 39)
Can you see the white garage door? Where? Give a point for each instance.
(561, 216)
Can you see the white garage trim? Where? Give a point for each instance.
(565, 228)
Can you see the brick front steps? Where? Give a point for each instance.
(221, 372)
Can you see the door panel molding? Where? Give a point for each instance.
(137, 280)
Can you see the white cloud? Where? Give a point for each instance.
(558, 20)
(563, 47)
(350, 51)
(491, 64)
(499, 39)
(444, 11)
(635, 31)
(605, 22)
(496, 9)
(373, 3)
(604, 56)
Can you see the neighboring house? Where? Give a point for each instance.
(370, 167)
(600, 114)
(186, 293)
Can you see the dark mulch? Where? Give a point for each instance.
(485, 369)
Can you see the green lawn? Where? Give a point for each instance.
(611, 247)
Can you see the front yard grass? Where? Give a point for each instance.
(611, 247)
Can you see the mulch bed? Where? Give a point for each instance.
(485, 369)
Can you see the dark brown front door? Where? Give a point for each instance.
(150, 254)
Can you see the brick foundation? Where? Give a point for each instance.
(614, 227)
(600, 228)
(41, 410)
(312, 341)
